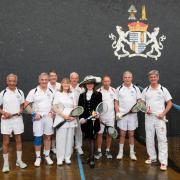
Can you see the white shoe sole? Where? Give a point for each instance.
(17, 164)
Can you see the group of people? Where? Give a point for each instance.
(70, 93)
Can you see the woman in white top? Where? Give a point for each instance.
(65, 134)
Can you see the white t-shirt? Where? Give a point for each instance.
(54, 88)
(69, 102)
(155, 98)
(11, 100)
(42, 100)
(108, 96)
(127, 97)
(77, 91)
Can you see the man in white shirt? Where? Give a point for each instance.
(109, 97)
(74, 78)
(156, 96)
(11, 101)
(42, 98)
(54, 86)
(127, 94)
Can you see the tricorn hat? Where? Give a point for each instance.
(90, 79)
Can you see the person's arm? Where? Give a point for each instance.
(167, 109)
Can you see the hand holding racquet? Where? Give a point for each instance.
(76, 112)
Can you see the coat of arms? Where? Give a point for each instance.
(137, 41)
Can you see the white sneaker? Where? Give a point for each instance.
(48, 160)
(120, 155)
(163, 167)
(133, 156)
(67, 161)
(5, 168)
(53, 150)
(21, 164)
(150, 161)
(59, 162)
(37, 162)
(80, 151)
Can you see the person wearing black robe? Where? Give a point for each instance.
(89, 100)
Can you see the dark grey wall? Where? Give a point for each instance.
(72, 35)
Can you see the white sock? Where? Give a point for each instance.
(46, 152)
(99, 149)
(121, 146)
(38, 154)
(19, 155)
(131, 148)
(6, 159)
(107, 149)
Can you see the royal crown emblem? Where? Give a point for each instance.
(137, 41)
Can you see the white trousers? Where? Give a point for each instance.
(78, 136)
(64, 143)
(154, 125)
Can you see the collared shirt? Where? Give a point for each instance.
(127, 97)
(68, 101)
(11, 100)
(155, 98)
(77, 91)
(42, 100)
(108, 96)
(54, 88)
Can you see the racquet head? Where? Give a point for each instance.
(77, 111)
(112, 132)
(102, 108)
(58, 108)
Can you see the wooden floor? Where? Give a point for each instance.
(104, 170)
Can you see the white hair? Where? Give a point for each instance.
(127, 72)
(74, 74)
(153, 72)
(43, 74)
(11, 75)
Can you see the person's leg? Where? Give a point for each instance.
(78, 139)
(121, 143)
(61, 134)
(53, 144)
(5, 153)
(19, 161)
(131, 145)
(162, 143)
(150, 135)
(108, 146)
(69, 140)
(92, 150)
(47, 146)
(98, 154)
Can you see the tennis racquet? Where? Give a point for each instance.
(76, 112)
(110, 130)
(135, 108)
(143, 108)
(100, 110)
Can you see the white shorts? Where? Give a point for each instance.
(109, 122)
(43, 126)
(15, 125)
(129, 122)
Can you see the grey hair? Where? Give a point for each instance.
(43, 74)
(127, 72)
(153, 72)
(13, 75)
(74, 73)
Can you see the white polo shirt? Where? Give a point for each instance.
(127, 97)
(77, 91)
(69, 102)
(108, 96)
(155, 98)
(54, 88)
(42, 100)
(11, 100)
